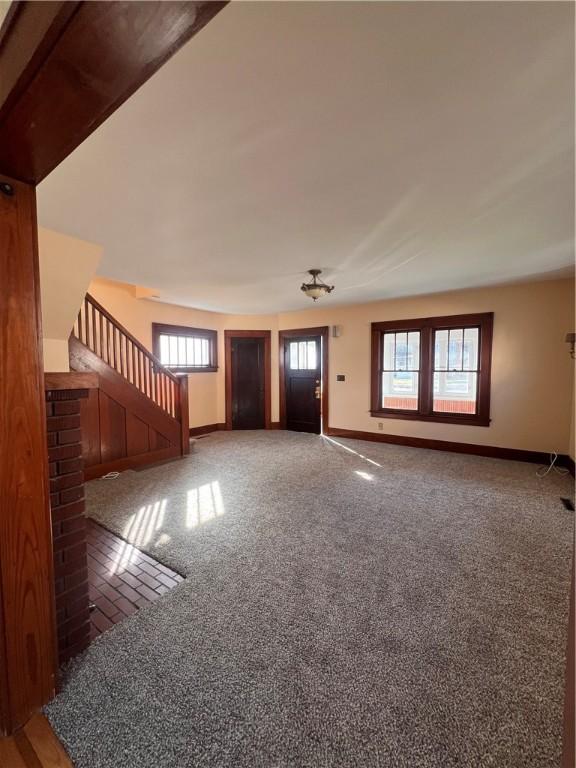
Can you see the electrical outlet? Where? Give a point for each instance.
(380, 425)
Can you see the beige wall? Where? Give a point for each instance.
(531, 367)
(532, 374)
(66, 267)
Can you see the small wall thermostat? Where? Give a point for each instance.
(340, 377)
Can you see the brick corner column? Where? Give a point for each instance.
(68, 520)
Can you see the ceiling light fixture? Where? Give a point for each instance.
(316, 288)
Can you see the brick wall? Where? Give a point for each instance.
(68, 520)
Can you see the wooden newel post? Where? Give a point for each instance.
(27, 619)
(184, 414)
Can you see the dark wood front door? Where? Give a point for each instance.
(303, 376)
(247, 383)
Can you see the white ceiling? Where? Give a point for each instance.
(403, 148)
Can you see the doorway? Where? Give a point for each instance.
(247, 379)
(304, 379)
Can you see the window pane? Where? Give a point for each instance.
(440, 350)
(164, 350)
(184, 351)
(400, 390)
(302, 356)
(181, 350)
(197, 351)
(471, 349)
(173, 356)
(294, 355)
(389, 344)
(189, 351)
(455, 392)
(455, 337)
(413, 359)
(311, 355)
(401, 351)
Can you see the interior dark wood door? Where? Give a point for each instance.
(302, 371)
(247, 383)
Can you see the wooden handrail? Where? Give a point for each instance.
(103, 311)
(98, 330)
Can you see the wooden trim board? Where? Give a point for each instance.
(207, 429)
(35, 746)
(473, 449)
(110, 48)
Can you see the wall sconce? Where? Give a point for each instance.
(571, 339)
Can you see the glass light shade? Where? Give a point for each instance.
(316, 288)
(315, 291)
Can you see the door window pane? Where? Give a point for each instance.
(311, 355)
(294, 355)
(303, 355)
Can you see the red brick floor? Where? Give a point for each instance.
(121, 578)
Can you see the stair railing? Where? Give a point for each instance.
(106, 337)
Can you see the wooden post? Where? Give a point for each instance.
(184, 414)
(27, 621)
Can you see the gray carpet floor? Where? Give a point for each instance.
(347, 604)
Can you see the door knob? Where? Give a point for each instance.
(317, 393)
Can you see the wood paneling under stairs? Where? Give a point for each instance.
(121, 427)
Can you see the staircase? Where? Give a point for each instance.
(139, 413)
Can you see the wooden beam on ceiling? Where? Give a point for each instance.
(66, 67)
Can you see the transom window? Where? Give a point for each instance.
(303, 356)
(183, 349)
(435, 369)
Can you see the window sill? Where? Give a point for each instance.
(443, 418)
